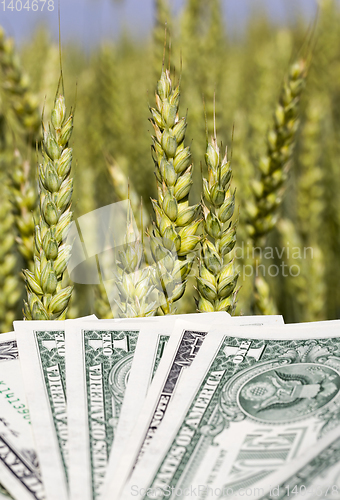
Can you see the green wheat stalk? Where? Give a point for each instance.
(176, 223)
(16, 85)
(123, 189)
(10, 290)
(134, 280)
(19, 120)
(268, 190)
(24, 201)
(47, 299)
(102, 307)
(217, 278)
(274, 166)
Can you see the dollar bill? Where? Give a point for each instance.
(98, 360)
(19, 468)
(104, 351)
(254, 400)
(182, 350)
(42, 356)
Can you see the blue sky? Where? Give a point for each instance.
(92, 20)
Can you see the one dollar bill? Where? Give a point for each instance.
(98, 361)
(19, 467)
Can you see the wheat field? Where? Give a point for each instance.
(272, 227)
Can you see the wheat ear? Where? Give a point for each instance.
(134, 280)
(47, 299)
(123, 190)
(274, 165)
(16, 85)
(9, 282)
(268, 190)
(24, 200)
(18, 113)
(217, 278)
(176, 221)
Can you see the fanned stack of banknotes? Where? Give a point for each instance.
(200, 406)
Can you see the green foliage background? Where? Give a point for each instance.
(112, 86)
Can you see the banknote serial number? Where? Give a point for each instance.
(17, 405)
(28, 5)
